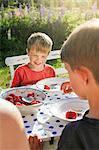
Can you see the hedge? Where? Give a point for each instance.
(21, 28)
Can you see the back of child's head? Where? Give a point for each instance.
(82, 48)
(41, 42)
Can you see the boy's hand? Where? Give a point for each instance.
(35, 143)
(66, 87)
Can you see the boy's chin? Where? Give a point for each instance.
(39, 67)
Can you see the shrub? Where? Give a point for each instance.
(21, 28)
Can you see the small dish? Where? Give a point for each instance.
(51, 84)
(76, 105)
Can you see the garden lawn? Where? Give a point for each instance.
(4, 77)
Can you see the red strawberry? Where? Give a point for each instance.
(30, 94)
(18, 104)
(46, 87)
(10, 99)
(16, 99)
(20, 97)
(71, 115)
(35, 102)
(13, 95)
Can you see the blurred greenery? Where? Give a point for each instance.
(21, 28)
(4, 77)
(60, 19)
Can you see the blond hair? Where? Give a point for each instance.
(82, 48)
(40, 41)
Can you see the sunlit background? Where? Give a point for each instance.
(57, 18)
(46, 8)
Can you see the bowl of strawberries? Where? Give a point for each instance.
(25, 98)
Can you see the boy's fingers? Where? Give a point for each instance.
(68, 90)
(31, 139)
(41, 144)
(35, 143)
(63, 86)
(35, 139)
(66, 87)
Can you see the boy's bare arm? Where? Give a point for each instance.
(12, 135)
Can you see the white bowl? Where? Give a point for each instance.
(78, 105)
(54, 83)
(23, 91)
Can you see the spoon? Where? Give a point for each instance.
(28, 99)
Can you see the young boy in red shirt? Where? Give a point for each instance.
(38, 47)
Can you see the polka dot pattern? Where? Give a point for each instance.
(52, 126)
(23, 116)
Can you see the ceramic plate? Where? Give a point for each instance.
(71, 95)
(54, 83)
(61, 108)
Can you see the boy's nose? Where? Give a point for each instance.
(39, 60)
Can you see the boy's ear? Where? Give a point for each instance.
(27, 52)
(83, 73)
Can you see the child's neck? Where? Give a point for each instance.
(39, 68)
(94, 111)
(93, 98)
(93, 115)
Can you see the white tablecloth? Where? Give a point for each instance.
(41, 121)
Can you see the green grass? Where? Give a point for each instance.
(55, 63)
(58, 64)
(4, 77)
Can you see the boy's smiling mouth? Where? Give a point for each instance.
(37, 63)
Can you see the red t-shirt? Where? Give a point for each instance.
(25, 76)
